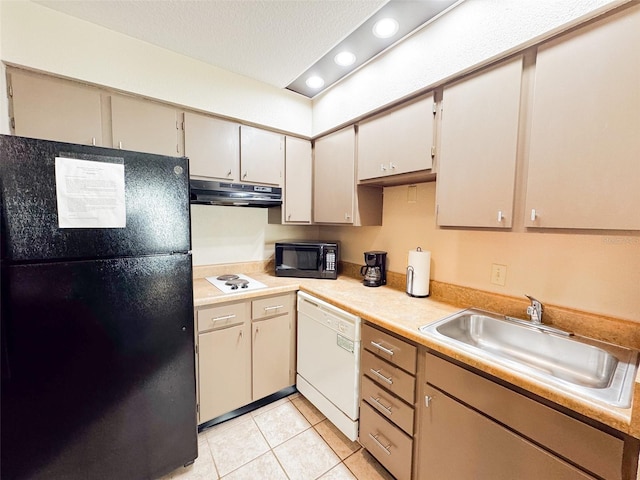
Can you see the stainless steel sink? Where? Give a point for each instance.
(577, 365)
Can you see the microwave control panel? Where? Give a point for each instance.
(330, 260)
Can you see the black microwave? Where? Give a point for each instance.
(307, 259)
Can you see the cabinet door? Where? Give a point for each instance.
(584, 166)
(476, 171)
(399, 141)
(334, 177)
(261, 156)
(457, 442)
(271, 355)
(54, 109)
(297, 181)
(213, 147)
(224, 369)
(144, 126)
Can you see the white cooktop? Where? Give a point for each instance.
(221, 284)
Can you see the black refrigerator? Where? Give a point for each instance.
(97, 331)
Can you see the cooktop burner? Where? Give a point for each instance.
(227, 277)
(235, 283)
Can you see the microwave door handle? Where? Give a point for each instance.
(321, 259)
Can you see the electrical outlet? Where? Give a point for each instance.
(412, 194)
(498, 274)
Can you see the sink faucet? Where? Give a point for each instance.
(534, 310)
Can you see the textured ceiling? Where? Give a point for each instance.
(271, 41)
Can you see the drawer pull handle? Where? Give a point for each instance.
(427, 401)
(224, 317)
(377, 402)
(385, 350)
(377, 373)
(275, 307)
(375, 439)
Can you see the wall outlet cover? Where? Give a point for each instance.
(498, 274)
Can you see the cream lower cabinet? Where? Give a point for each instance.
(584, 166)
(54, 109)
(478, 146)
(224, 359)
(245, 352)
(471, 427)
(387, 391)
(336, 199)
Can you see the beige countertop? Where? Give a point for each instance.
(395, 311)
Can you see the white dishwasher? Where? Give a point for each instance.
(328, 365)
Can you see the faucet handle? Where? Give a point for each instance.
(533, 300)
(534, 310)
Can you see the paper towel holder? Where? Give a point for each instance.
(410, 278)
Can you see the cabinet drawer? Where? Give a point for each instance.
(221, 317)
(390, 377)
(390, 445)
(388, 405)
(268, 307)
(390, 348)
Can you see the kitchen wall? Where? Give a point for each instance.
(595, 272)
(474, 33)
(42, 39)
(234, 234)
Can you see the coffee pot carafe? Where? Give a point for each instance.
(374, 272)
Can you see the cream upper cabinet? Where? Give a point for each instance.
(584, 156)
(261, 156)
(398, 141)
(334, 177)
(54, 109)
(297, 181)
(478, 145)
(213, 147)
(336, 198)
(144, 126)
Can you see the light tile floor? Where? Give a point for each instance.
(288, 439)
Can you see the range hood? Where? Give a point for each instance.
(208, 192)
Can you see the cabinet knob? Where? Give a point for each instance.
(382, 167)
(392, 165)
(93, 141)
(347, 216)
(120, 145)
(533, 214)
(244, 175)
(427, 401)
(229, 173)
(500, 216)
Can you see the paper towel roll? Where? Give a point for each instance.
(418, 272)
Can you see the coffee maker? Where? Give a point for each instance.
(374, 272)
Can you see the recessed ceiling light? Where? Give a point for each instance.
(407, 17)
(314, 82)
(385, 28)
(345, 59)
